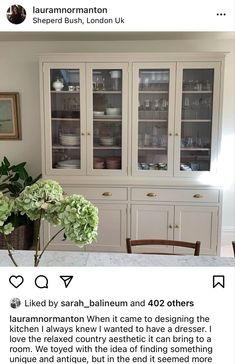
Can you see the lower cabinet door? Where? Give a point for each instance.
(152, 222)
(112, 228)
(112, 231)
(194, 223)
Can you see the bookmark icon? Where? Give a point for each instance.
(67, 280)
(218, 280)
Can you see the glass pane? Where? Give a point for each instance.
(107, 118)
(153, 119)
(197, 102)
(65, 118)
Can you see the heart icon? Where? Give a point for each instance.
(16, 281)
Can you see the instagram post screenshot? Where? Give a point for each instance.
(117, 182)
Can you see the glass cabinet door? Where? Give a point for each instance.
(153, 122)
(64, 124)
(198, 118)
(108, 120)
(65, 118)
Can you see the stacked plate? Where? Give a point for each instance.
(69, 139)
(99, 163)
(113, 163)
(69, 164)
(107, 141)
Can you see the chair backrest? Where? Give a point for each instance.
(146, 242)
(233, 243)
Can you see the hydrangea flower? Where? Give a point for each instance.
(7, 229)
(6, 209)
(36, 199)
(79, 218)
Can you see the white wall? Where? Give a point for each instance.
(19, 72)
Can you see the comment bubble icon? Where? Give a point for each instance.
(41, 281)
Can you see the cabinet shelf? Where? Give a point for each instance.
(153, 92)
(152, 148)
(107, 119)
(152, 121)
(197, 92)
(195, 149)
(196, 121)
(65, 92)
(55, 146)
(113, 147)
(107, 92)
(65, 119)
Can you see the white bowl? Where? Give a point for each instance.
(113, 111)
(98, 113)
(115, 74)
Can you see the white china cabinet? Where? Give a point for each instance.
(138, 135)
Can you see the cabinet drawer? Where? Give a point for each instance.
(174, 195)
(99, 193)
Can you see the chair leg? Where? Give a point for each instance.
(233, 243)
(128, 245)
(197, 248)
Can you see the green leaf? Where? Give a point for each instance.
(28, 181)
(15, 188)
(23, 173)
(17, 167)
(6, 162)
(3, 186)
(4, 170)
(14, 177)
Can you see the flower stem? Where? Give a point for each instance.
(9, 252)
(37, 261)
(36, 255)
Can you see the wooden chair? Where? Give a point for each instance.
(233, 243)
(146, 242)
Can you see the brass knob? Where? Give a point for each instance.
(88, 133)
(170, 134)
(107, 194)
(170, 226)
(83, 134)
(176, 134)
(151, 194)
(198, 195)
(177, 226)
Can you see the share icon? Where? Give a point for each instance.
(67, 280)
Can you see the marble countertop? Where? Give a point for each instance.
(91, 259)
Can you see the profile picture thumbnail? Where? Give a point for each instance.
(15, 302)
(16, 14)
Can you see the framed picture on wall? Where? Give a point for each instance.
(10, 128)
